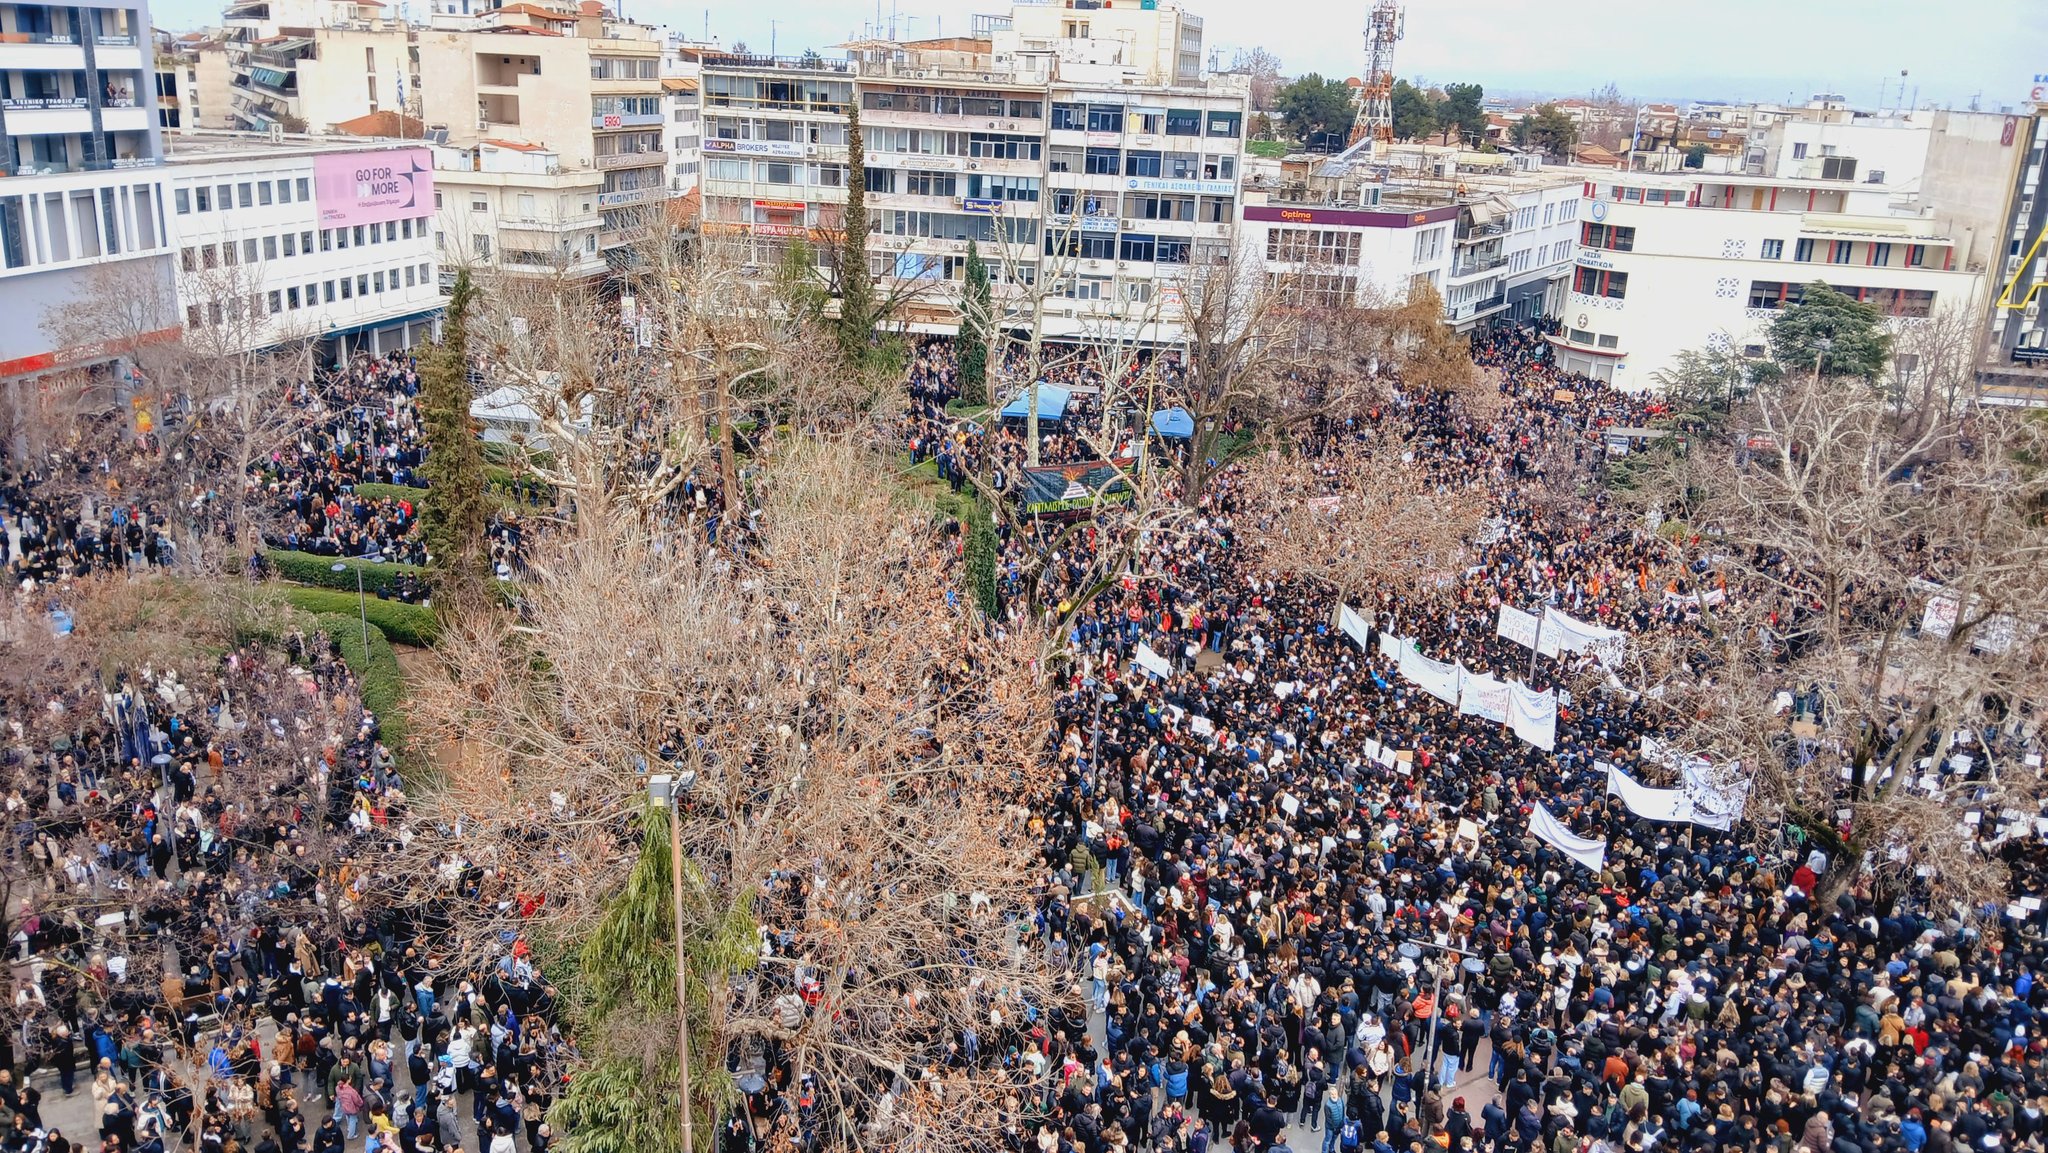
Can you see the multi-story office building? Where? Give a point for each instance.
(682, 75)
(576, 82)
(307, 65)
(775, 149)
(329, 243)
(1671, 262)
(82, 206)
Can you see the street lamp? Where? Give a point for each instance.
(1820, 352)
(665, 792)
(1412, 949)
(362, 605)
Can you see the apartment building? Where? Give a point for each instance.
(682, 74)
(514, 207)
(1671, 262)
(307, 65)
(1073, 155)
(329, 243)
(82, 206)
(1494, 240)
(577, 83)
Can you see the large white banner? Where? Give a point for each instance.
(1590, 853)
(1356, 627)
(1644, 801)
(1517, 626)
(1482, 696)
(1560, 633)
(1391, 646)
(1436, 678)
(1718, 793)
(1533, 715)
(1152, 662)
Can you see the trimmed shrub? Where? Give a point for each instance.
(403, 623)
(377, 672)
(306, 569)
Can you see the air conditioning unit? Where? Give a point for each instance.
(974, 166)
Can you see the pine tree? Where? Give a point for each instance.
(974, 324)
(455, 519)
(856, 290)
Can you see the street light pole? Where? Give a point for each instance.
(362, 604)
(1436, 1007)
(666, 789)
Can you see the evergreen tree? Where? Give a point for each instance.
(856, 290)
(982, 548)
(974, 325)
(456, 514)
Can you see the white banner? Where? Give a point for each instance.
(1560, 633)
(1482, 696)
(1436, 678)
(1533, 715)
(1356, 627)
(1644, 801)
(1391, 646)
(1152, 662)
(1517, 626)
(1717, 793)
(1590, 853)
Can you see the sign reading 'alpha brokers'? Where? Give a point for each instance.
(1199, 187)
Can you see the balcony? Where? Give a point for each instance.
(606, 121)
(1474, 265)
(1472, 310)
(40, 52)
(628, 196)
(1473, 233)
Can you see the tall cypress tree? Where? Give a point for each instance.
(974, 324)
(455, 519)
(856, 289)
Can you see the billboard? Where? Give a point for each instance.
(373, 187)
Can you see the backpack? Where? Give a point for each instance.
(1348, 1136)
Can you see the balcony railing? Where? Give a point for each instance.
(114, 41)
(632, 160)
(1482, 231)
(1474, 308)
(1478, 264)
(38, 38)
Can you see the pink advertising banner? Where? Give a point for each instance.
(372, 187)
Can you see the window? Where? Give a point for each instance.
(1097, 246)
(1105, 118)
(263, 192)
(1072, 117)
(1183, 122)
(291, 295)
(191, 316)
(305, 190)
(377, 279)
(1136, 247)
(1916, 256)
(269, 246)
(1600, 282)
(1802, 252)
(478, 202)
(1171, 250)
(327, 292)
(1799, 152)
(284, 194)
(1225, 123)
(326, 239)
(1880, 255)
(1838, 251)
(276, 297)
(291, 244)
(1103, 161)
(248, 196)
(930, 184)
(188, 260)
(1607, 341)
(363, 283)
(183, 200)
(348, 288)
(359, 236)
(1774, 250)
(1141, 163)
(408, 276)
(312, 290)
(1613, 237)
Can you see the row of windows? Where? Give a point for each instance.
(944, 105)
(788, 172)
(1129, 246)
(1875, 254)
(814, 94)
(625, 68)
(246, 194)
(250, 249)
(1144, 162)
(1167, 122)
(625, 106)
(1908, 302)
(280, 300)
(831, 132)
(1313, 246)
(1613, 237)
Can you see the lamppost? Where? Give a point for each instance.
(1106, 697)
(666, 791)
(1412, 949)
(362, 604)
(1820, 352)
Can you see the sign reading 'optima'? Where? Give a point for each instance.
(373, 187)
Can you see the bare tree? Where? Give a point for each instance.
(857, 749)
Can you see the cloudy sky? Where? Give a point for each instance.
(1738, 49)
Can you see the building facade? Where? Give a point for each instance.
(303, 241)
(307, 65)
(514, 207)
(82, 209)
(1668, 263)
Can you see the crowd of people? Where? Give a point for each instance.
(1286, 939)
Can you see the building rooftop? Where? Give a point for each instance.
(383, 123)
(203, 146)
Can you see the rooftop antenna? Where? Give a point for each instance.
(1384, 26)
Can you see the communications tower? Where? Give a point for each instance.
(1383, 28)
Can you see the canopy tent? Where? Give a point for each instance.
(1052, 403)
(1174, 423)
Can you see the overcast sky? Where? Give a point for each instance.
(1736, 49)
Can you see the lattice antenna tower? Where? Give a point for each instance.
(1384, 26)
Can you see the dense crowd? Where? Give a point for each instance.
(1306, 941)
(197, 952)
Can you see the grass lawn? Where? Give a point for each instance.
(1269, 149)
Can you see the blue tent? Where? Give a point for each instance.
(1052, 404)
(1174, 423)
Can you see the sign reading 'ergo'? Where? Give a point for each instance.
(373, 187)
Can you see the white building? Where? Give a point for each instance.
(1672, 262)
(304, 240)
(512, 206)
(682, 74)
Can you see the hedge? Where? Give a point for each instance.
(306, 569)
(382, 684)
(406, 624)
(392, 492)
